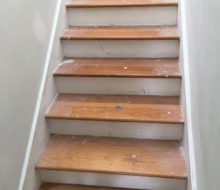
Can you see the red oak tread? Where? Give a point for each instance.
(54, 186)
(138, 157)
(121, 33)
(120, 3)
(149, 68)
(149, 109)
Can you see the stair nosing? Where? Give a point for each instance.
(147, 4)
(118, 38)
(118, 76)
(152, 36)
(116, 120)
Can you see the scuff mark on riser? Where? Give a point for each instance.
(110, 85)
(116, 129)
(123, 16)
(121, 48)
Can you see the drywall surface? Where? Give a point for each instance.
(202, 58)
(40, 133)
(25, 28)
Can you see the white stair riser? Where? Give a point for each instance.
(124, 86)
(116, 129)
(121, 48)
(123, 16)
(110, 180)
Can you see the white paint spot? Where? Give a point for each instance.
(134, 156)
(169, 113)
(68, 61)
(125, 68)
(76, 114)
(84, 141)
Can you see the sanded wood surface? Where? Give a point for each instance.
(139, 157)
(153, 109)
(120, 3)
(149, 68)
(53, 186)
(121, 33)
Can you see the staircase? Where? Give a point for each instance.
(117, 121)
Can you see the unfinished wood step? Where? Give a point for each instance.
(132, 76)
(151, 158)
(148, 109)
(131, 68)
(120, 3)
(54, 186)
(122, 33)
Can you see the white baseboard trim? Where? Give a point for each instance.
(187, 89)
(40, 96)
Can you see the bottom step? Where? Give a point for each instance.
(53, 186)
(113, 162)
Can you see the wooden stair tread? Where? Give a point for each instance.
(138, 157)
(121, 33)
(54, 186)
(153, 109)
(151, 68)
(120, 3)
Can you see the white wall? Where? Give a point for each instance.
(25, 28)
(202, 57)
